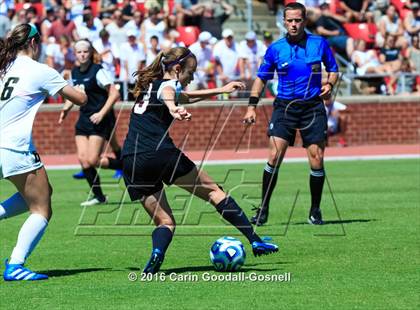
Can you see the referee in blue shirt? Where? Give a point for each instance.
(297, 60)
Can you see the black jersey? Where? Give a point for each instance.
(97, 96)
(150, 121)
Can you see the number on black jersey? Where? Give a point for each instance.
(141, 106)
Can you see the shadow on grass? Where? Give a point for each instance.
(246, 268)
(335, 222)
(69, 272)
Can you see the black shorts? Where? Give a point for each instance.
(309, 117)
(84, 127)
(145, 173)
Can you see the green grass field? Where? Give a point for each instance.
(367, 257)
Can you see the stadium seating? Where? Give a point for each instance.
(188, 34)
(39, 7)
(95, 9)
(171, 5)
(361, 31)
(399, 5)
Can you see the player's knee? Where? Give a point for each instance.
(84, 162)
(274, 158)
(93, 161)
(165, 221)
(316, 157)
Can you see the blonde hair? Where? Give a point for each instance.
(94, 55)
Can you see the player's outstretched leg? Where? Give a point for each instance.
(158, 208)
(36, 191)
(201, 185)
(13, 206)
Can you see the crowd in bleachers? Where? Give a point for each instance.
(376, 36)
(378, 40)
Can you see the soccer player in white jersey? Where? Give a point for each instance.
(24, 84)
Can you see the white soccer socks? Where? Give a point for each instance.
(29, 235)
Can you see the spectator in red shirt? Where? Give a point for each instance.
(63, 26)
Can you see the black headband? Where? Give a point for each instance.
(179, 60)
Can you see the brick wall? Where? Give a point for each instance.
(378, 120)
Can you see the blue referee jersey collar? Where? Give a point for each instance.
(300, 43)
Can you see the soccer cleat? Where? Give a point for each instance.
(94, 201)
(260, 217)
(315, 217)
(79, 175)
(155, 261)
(118, 174)
(263, 248)
(16, 272)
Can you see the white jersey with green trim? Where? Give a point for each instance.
(24, 87)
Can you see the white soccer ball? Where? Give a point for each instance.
(227, 254)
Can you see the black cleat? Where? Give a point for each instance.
(260, 217)
(315, 217)
(154, 263)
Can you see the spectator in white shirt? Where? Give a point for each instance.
(132, 58)
(204, 55)
(251, 53)
(152, 26)
(225, 53)
(116, 30)
(109, 52)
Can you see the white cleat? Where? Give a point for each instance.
(93, 202)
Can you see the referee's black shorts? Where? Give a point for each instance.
(309, 117)
(145, 173)
(85, 127)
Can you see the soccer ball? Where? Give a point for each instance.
(227, 254)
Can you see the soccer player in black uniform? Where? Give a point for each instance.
(150, 158)
(96, 120)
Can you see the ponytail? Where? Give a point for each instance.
(164, 61)
(18, 40)
(147, 75)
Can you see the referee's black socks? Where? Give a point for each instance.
(232, 213)
(94, 182)
(316, 184)
(161, 238)
(269, 182)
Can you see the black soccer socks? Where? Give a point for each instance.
(94, 182)
(161, 238)
(316, 184)
(232, 213)
(269, 182)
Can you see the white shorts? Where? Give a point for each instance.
(18, 162)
